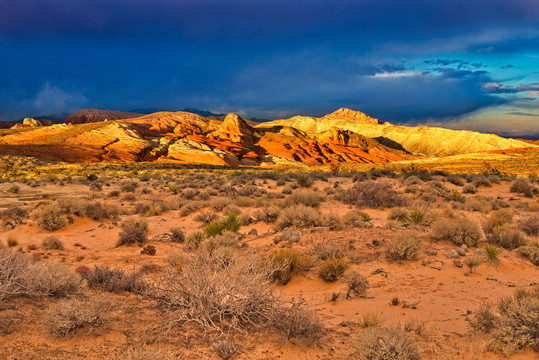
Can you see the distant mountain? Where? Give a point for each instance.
(85, 116)
(344, 136)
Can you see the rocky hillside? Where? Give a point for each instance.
(344, 136)
(431, 141)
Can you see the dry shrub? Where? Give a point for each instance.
(148, 250)
(235, 296)
(99, 210)
(457, 230)
(67, 316)
(288, 262)
(405, 246)
(356, 217)
(13, 217)
(226, 349)
(51, 218)
(139, 223)
(469, 189)
(206, 217)
(190, 207)
(220, 204)
(267, 214)
(112, 280)
(378, 343)
(327, 249)
(397, 213)
(375, 194)
(499, 231)
(356, 283)
(332, 268)
(473, 261)
(523, 186)
(513, 323)
(52, 243)
(132, 235)
(305, 197)
(21, 277)
(299, 216)
(177, 235)
(530, 225)
(531, 252)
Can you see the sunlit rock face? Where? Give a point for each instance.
(344, 136)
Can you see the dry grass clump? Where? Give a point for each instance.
(225, 348)
(355, 218)
(473, 261)
(375, 194)
(206, 217)
(498, 230)
(51, 218)
(469, 189)
(52, 243)
(356, 283)
(190, 207)
(405, 246)
(67, 316)
(112, 280)
(530, 225)
(457, 230)
(333, 268)
(21, 277)
(13, 217)
(299, 216)
(234, 296)
(305, 197)
(286, 263)
(531, 252)
(99, 210)
(512, 324)
(379, 343)
(267, 214)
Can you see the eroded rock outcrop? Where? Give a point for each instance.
(86, 116)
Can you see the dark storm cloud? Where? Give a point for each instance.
(263, 57)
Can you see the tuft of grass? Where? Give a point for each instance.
(286, 263)
(333, 268)
(52, 243)
(492, 255)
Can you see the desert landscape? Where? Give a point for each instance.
(166, 261)
(269, 179)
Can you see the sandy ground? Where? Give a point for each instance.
(445, 294)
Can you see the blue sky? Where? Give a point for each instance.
(461, 64)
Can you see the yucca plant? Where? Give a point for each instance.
(415, 217)
(492, 253)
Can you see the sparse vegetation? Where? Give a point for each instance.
(460, 231)
(332, 268)
(378, 343)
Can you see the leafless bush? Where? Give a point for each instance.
(21, 277)
(236, 296)
(357, 284)
(206, 217)
(112, 280)
(375, 194)
(403, 247)
(378, 343)
(177, 235)
(67, 316)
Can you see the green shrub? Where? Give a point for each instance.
(493, 254)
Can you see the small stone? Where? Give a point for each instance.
(464, 248)
(480, 252)
(432, 252)
(277, 239)
(294, 238)
(165, 237)
(453, 254)
(460, 252)
(253, 232)
(376, 242)
(457, 263)
(286, 233)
